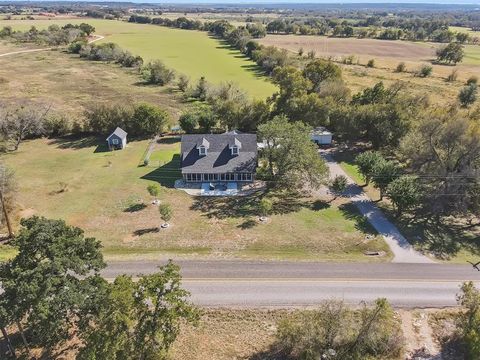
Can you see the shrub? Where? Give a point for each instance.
(472, 80)
(468, 95)
(153, 190)
(157, 73)
(265, 206)
(401, 67)
(371, 63)
(165, 211)
(335, 331)
(468, 321)
(56, 125)
(424, 71)
(75, 47)
(183, 82)
(201, 90)
(338, 185)
(109, 52)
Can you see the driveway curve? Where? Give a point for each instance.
(403, 251)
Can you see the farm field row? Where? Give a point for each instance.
(387, 55)
(193, 53)
(366, 49)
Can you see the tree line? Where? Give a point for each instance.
(54, 35)
(373, 27)
(19, 122)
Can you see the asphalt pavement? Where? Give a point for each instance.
(232, 283)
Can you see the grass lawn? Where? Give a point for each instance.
(193, 53)
(106, 196)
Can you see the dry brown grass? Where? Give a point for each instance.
(69, 84)
(387, 55)
(364, 48)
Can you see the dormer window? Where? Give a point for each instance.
(235, 147)
(203, 147)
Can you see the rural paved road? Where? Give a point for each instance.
(402, 251)
(290, 284)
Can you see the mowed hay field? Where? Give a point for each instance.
(193, 53)
(387, 55)
(105, 194)
(363, 48)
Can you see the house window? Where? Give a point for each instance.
(202, 150)
(115, 141)
(234, 150)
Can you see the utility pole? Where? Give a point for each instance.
(4, 207)
(5, 215)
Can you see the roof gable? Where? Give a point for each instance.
(122, 134)
(219, 158)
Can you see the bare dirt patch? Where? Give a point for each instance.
(325, 46)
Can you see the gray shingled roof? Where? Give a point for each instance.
(219, 158)
(122, 134)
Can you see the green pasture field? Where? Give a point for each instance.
(193, 53)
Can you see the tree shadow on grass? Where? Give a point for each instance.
(135, 208)
(169, 140)
(350, 212)
(145, 231)
(255, 69)
(247, 224)
(247, 206)
(274, 352)
(443, 239)
(318, 205)
(166, 174)
(77, 142)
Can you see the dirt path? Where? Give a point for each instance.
(418, 336)
(97, 38)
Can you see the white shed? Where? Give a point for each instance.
(117, 140)
(321, 136)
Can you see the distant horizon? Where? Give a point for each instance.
(269, 2)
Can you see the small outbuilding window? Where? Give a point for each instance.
(115, 141)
